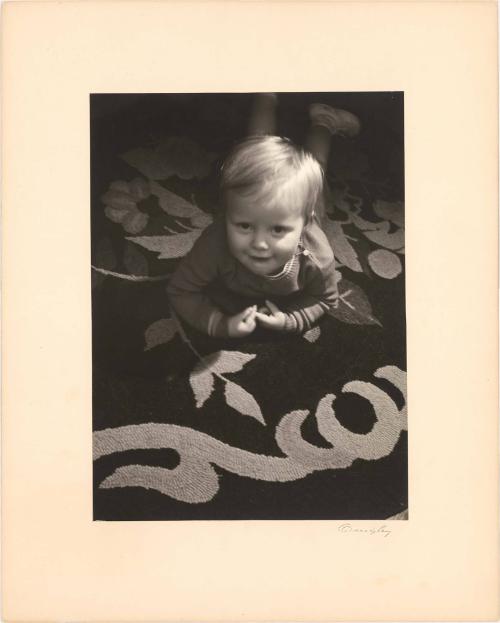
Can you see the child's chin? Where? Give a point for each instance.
(264, 269)
(260, 268)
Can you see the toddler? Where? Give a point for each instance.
(265, 260)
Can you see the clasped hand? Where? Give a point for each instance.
(245, 322)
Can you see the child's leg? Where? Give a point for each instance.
(325, 122)
(263, 115)
(318, 142)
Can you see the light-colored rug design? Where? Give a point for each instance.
(194, 480)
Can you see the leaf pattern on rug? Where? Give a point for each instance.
(364, 225)
(384, 238)
(312, 335)
(344, 251)
(160, 332)
(202, 383)
(242, 401)
(168, 247)
(195, 481)
(227, 361)
(390, 211)
(354, 306)
(149, 162)
(173, 204)
(217, 364)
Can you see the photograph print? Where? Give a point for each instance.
(248, 306)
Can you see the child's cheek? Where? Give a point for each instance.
(286, 242)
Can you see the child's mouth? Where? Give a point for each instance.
(259, 259)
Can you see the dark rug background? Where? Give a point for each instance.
(132, 385)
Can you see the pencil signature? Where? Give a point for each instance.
(347, 528)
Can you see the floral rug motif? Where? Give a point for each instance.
(266, 427)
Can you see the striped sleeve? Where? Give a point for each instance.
(319, 294)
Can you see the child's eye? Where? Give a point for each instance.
(243, 226)
(279, 229)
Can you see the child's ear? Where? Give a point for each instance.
(309, 219)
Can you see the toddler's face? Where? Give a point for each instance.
(263, 239)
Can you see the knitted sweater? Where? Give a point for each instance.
(305, 288)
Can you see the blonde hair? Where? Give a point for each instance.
(273, 170)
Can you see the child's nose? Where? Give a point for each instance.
(259, 241)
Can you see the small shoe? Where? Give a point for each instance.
(336, 120)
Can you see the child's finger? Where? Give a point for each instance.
(248, 312)
(272, 307)
(264, 319)
(251, 324)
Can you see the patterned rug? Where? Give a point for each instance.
(266, 427)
